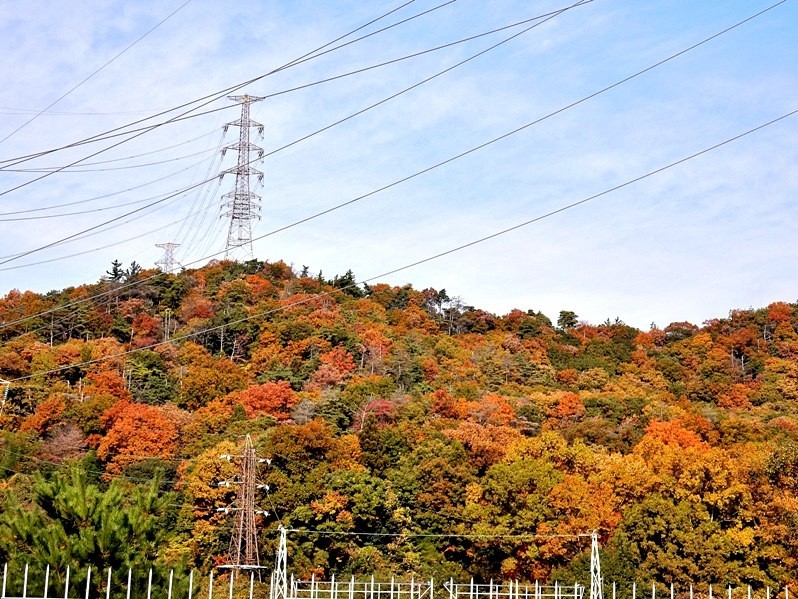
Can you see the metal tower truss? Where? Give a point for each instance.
(167, 263)
(243, 553)
(243, 206)
(596, 582)
(279, 580)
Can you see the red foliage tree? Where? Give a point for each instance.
(273, 398)
(47, 414)
(137, 432)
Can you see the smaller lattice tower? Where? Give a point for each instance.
(167, 263)
(596, 581)
(243, 206)
(243, 553)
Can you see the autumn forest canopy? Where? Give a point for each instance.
(396, 411)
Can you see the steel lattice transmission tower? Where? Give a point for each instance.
(167, 263)
(243, 553)
(596, 581)
(279, 581)
(242, 205)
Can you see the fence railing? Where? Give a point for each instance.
(351, 588)
(513, 590)
(108, 584)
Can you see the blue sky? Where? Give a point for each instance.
(713, 234)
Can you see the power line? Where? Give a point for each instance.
(38, 114)
(119, 222)
(97, 226)
(102, 197)
(494, 140)
(80, 169)
(187, 115)
(209, 238)
(435, 256)
(541, 18)
(83, 253)
(304, 220)
(98, 162)
(518, 129)
(218, 94)
(9, 110)
(349, 533)
(95, 210)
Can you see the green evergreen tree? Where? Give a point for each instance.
(116, 273)
(73, 522)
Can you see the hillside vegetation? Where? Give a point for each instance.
(400, 411)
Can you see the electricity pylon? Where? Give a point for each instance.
(243, 205)
(167, 263)
(243, 553)
(279, 585)
(596, 582)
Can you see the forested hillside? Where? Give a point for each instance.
(394, 410)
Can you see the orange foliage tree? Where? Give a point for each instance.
(47, 414)
(272, 398)
(336, 365)
(137, 432)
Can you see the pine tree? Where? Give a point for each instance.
(116, 273)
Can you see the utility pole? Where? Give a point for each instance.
(167, 324)
(167, 263)
(242, 205)
(243, 553)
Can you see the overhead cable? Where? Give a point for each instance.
(212, 97)
(581, 2)
(573, 104)
(45, 109)
(187, 115)
(431, 258)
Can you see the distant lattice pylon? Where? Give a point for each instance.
(242, 205)
(167, 263)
